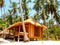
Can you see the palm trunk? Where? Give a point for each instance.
(52, 26)
(54, 30)
(45, 23)
(4, 29)
(44, 17)
(24, 30)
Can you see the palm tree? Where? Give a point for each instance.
(44, 17)
(25, 9)
(25, 34)
(10, 17)
(47, 7)
(37, 8)
(1, 5)
(41, 13)
(51, 7)
(14, 10)
(4, 17)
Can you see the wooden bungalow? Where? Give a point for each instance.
(33, 29)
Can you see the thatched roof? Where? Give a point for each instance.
(45, 27)
(30, 20)
(14, 25)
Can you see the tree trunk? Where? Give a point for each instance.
(4, 18)
(45, 23)
(24, 30)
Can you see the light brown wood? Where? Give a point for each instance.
(30, 28)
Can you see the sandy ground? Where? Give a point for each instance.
(6, 42)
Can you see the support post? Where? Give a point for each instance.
(19, 34)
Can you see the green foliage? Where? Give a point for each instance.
(1, 22)
(14, 6)
(54, 32)
(25, 9)
(37, 6)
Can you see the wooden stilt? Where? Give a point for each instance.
(14, 34)
(18, 37)
(19, 34)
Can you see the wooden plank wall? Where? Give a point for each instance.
(31, 31)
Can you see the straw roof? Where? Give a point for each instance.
(45, 27)
(14, 25)
(30, 20)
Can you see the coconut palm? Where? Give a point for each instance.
(1, 5)
(51, 7)
(37, 8)
(14, 10)
(4, 26)
(25, 9)
(9, 18)
(24, 30)
(44, 16)
(41, 13)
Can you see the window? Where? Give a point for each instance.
(37, 31)
(21, 29)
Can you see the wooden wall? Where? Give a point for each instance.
(41, 32)
(31, 31)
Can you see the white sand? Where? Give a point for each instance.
(5, 42)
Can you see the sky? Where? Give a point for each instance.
(7, 6)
